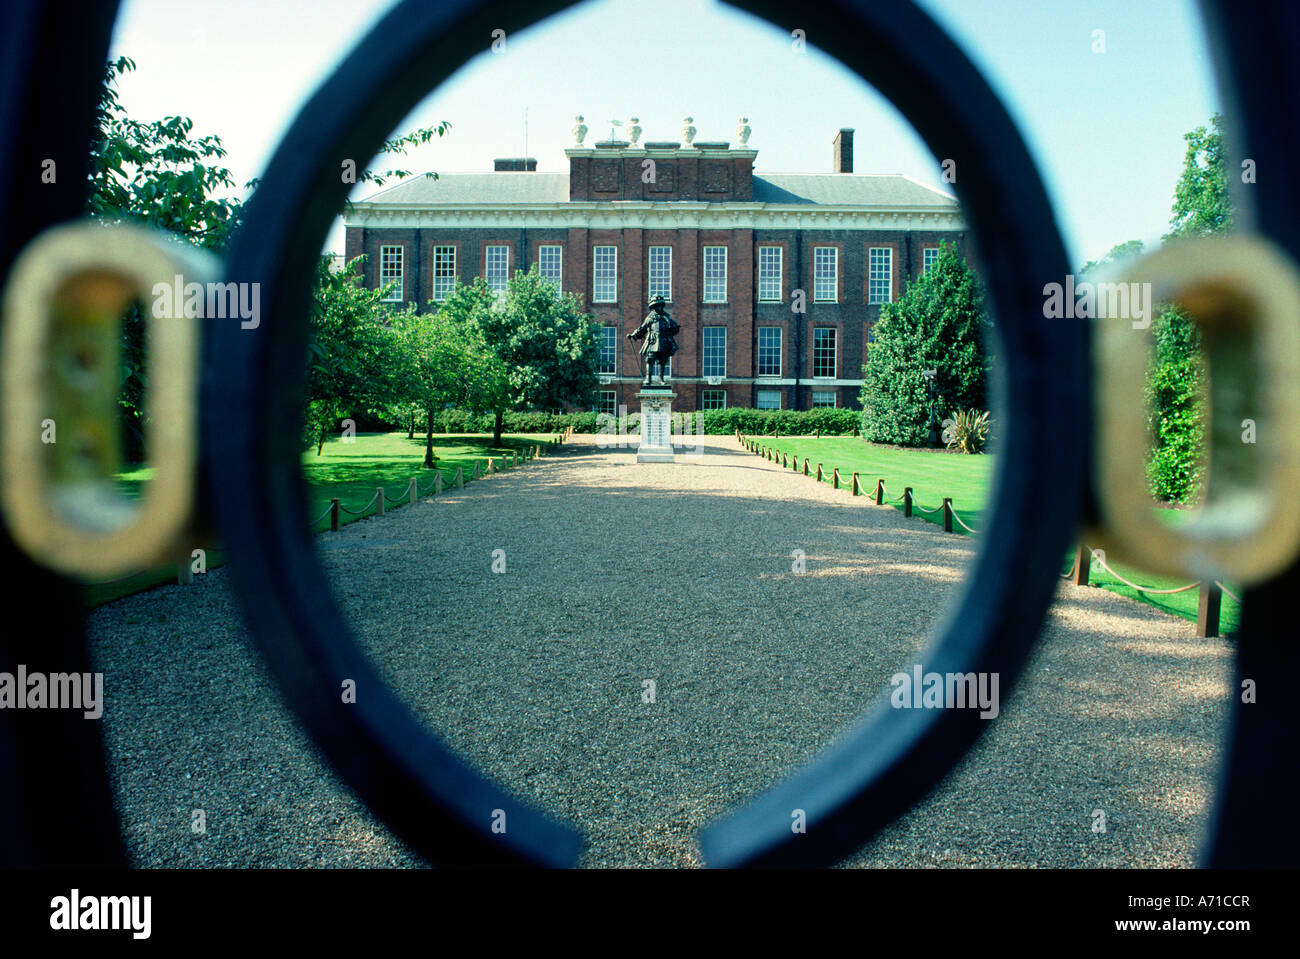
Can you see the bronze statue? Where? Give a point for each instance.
(658, 330)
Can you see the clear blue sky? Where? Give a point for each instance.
(1105, 128)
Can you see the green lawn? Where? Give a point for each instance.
(350, 471)
(934, 474)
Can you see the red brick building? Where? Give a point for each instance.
(776, 279)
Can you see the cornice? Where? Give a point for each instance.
(654, 215)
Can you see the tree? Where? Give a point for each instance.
(443, 358)
(939, 323)
(161, 175)
(1175, 387)
(350, 350)
(549, 347)
(1202, 204)
(1120, 251)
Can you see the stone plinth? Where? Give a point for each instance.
(656, 426)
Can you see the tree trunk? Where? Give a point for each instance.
(320, 441)
(410, 426)
(496, 431)
(428, 440)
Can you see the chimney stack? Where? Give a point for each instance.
(518, 164)
(842, 151)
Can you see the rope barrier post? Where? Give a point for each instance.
(184, 572)
(489, 466)
(880, 491)
(460, 478)
(379, 498)
(856, 484)
(819, 472)
(412, 491)
(1082, 566)
(334, 515)
(947, 514)
(1209, 601)
(437, 482)
(805, 466)
(907, 501)
(835, 477)
(514, 459)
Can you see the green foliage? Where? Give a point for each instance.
(938, 323)
(967, 431)
(442, 360)
(350, 351)
(160, 175)
(1175, 401)
(1175, 386)
(1120, 251)
(1202, 203)
(751, 422)
(551, 348)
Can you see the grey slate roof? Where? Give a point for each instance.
(846, 189)
(783, 188)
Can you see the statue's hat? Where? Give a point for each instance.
(657, 298)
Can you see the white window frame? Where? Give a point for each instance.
(767, 279)
(604, 335)
(662, 284)
(387, 275)
(760, 394)
(488, 252)
(610, 396)
(835, 351)
(558, 282)
(707, 395)
(833, 394)
(885, 260)
(821, 278)
(442, 290)
(597, 278)
(928, 256)
(704, 348)
(707, 281)
(780, 349)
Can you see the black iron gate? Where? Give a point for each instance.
(60, 812)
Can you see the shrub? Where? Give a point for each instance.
(939, 323)
(968, 431)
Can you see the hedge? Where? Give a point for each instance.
(830, 421)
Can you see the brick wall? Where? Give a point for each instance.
(851, 315)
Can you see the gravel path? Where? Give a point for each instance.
(536, 675)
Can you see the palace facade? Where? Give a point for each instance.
(776, 279)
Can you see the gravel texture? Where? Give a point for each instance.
(536, 674)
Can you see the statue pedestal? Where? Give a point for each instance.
(656, 426)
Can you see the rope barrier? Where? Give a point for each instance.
(363, 509)
(958, 519)
(1140, 589)
(1226, 592)
(324, 515)
(1067, 575)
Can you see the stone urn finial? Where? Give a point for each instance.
(579, 130)
(742, 131)
(688, 130)
(633, 130)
